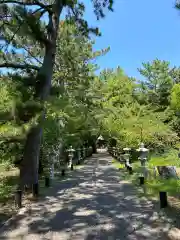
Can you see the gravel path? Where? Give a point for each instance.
(93, 203)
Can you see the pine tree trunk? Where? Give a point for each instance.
(30, 164)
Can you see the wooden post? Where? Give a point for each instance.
(163, 199)
(47, 181)
(18, 198)
(63, 172)
(35, 189)
(141, 180)
(130, 170)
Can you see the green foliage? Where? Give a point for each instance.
(117, 164)
(169, 158)
(175, 97)
(129, 120)
(171, 186)
(8, 181)
(158, 82)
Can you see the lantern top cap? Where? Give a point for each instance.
(126, 149)
(100, 138)
(142, 148)
(141, 145)
(71, 149)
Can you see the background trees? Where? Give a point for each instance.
(133, 116)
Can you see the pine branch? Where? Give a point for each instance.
(28, 3)
(40, 36)
(20, 66)
(28, 51)
(10, 40)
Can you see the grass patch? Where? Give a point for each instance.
(153, 185)
(156, 184)
(172, 186)
(8, 183)
(117, 164)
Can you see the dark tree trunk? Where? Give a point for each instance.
(94, 147)
(30, 164)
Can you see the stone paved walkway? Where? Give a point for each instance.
(93, 203)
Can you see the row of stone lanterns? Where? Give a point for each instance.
(143, 155)
(82, 154)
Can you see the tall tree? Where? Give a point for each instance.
(158, 82)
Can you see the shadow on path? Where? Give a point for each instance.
(93, 203)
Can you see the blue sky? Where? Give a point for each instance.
(138, 31)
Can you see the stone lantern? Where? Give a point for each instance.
(71, 155)
(126, 155)
(143, 155)
(126, 158)
(79, 156)
(52, 168)
(114, 151)
(84, 153)
(118, 153)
